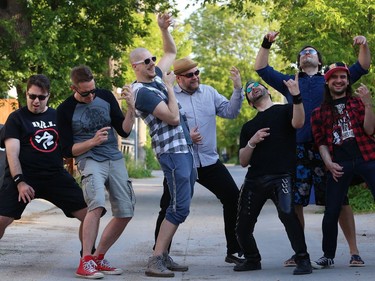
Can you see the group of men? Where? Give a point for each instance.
(181, 115)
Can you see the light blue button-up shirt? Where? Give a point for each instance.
(201, 109)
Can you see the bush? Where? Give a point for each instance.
(136, 170)
(151, 162)
(361, 199)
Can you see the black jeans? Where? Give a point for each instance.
(217, 179)
(254, 194)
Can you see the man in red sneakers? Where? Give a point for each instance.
(89, 121)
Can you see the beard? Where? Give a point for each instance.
(258, 96)
(309, 62)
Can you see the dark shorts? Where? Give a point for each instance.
(310, 172)
(60, 189)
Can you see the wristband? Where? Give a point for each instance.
(266, 44)
(297, 99)
(18, 178)
(249, 145)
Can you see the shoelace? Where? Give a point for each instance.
(105, 263)
(89, 266)
(159, 263)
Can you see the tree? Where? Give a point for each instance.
(52, 36)
(328, 25)
(222, 40)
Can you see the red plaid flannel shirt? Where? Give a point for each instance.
(322, 124)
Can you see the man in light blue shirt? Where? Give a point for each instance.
(201, 104)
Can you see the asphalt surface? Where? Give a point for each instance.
(43, 245)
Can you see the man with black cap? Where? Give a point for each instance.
(201, 104)
(343, 128)
(267, 148)
(310, 169)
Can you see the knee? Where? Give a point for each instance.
(4, 222)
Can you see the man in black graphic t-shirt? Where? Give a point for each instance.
(34, 167)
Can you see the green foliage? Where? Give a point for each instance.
(361, 199)
(51, 37)
(151, 162)
(136, 170)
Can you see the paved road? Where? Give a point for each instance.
(44, 245)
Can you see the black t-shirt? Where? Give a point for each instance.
(345, 146)
(277, 153)
(40, 152)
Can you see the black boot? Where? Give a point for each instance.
(248, 265)
(303, 265)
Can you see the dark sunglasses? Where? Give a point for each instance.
(191, 74)
(85, 94)
(34, 97)
(146, 61)
(249, 89)
(310, 51)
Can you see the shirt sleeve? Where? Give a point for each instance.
(275, 79)
(317, 128)
(228, 108)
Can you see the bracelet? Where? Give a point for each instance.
(297, 99)
(249, 145)
(18, 178)
(266, 44)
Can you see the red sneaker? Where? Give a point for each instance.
(104, 266)
(87, 269)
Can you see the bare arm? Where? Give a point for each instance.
(298, 119)
(168, 113)
(364, 55)
(261, 60)
(12, 148)
(128, 94)
(100, 136)
(369, 122)
(246, 152)
(334, 168)
(169, 46)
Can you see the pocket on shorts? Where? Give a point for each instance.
(131, 192)
(81, 165)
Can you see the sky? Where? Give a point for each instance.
(185, 13)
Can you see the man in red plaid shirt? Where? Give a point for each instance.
(343, 128)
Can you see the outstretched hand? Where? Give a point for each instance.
(236, 77)
(364, 94)
(271, 36)
(165, 20)
(293, 86)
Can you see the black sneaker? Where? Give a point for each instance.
(234, 258)
(323, 262)
(303, 266)
(247, 266)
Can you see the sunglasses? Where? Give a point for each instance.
(39, 97)
(249, 89)
(310, 51)
(146, 61)
(191, 74)
(85, 94)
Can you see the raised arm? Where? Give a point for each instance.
(169, 46)
(298, 119)
(261, 60)
(364, 55)
(128, 95)
(369, 122)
